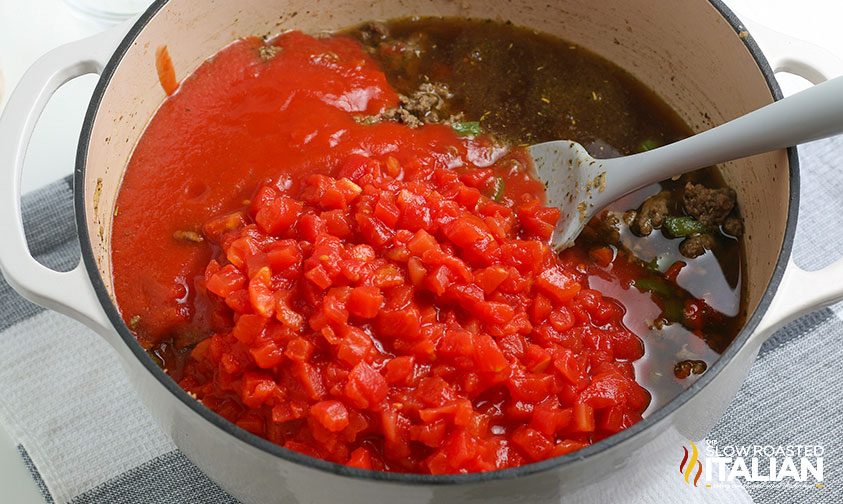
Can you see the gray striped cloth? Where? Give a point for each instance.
(85, 437)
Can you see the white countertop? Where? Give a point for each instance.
(31, 28)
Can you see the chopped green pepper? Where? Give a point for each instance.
(683, 226)
(467, 128)
(673, 310)
(653, 265)
(655, 285)
(156, 358)
(648, 145)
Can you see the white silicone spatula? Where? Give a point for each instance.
(581, 185)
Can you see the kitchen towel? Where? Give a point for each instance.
(86, 438)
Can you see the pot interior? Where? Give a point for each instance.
(687, 53)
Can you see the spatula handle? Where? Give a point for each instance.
(809, 115)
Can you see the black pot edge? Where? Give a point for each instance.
(339, 469)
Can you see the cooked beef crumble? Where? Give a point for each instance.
(421, 107)
(733, 226)
(651, 214)
(707, 205)
(374, 31)
(696, 245)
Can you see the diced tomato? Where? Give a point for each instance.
(311, 227)
(373, 230)
(278, 215)
(491, 312)
(532, 442)
(355, 346)
(365, 302)
(337, 223)
(416, 271)
(611, 419)
(487, 355)
(531, 387)
(248, 328)
(536, 358)
(252, 422)
(348, 189)
(257, 388)
(566, 363)
(215, 229)
(356, 166)
(602, 255)
(430, 434)
(438, 280)
(674, 270)
(402, 324)
(583, 418)
(567, 446)
(267, 356)
(490, 278)
(421, 242)
(557, 284)
(549, 420)
(286, 315)
(240, 250)
(261, 295)
(226, 281)
(310, 379)
(299, 349)
(361, 458)
(561, 319)
(540, 309)
(283, 255)
(288, 411)
(386, 210)
(319, 276)
(330, 414)
(399, 370)
(467, 231)
(366, 388)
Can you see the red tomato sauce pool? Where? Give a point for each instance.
(361, 293)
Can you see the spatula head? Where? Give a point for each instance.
(574, 183)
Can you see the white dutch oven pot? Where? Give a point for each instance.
(695, 54)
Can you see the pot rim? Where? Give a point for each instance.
(278, 451)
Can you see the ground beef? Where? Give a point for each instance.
(709, 206)
(603, 229)
(695, 246)
(651, 214)
(733, 226)
(608, 228)
(400, 115)
(421, 107)
(374, 31)
(267, 52)
(188, 236)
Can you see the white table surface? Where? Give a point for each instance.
(32, 27)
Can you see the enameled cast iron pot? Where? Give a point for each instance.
(695, 54)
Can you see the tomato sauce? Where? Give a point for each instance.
(362, 293)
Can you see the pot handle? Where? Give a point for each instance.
(70, 293)
(795, 56)
(800, 291)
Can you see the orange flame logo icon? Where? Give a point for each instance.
(691, 465)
